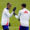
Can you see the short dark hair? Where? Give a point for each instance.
(24, 5)
(8, 4)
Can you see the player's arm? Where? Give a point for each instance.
(17, 16)
(8, 14)
(29, 13)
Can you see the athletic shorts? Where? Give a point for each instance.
(5, 27)
(23, 28)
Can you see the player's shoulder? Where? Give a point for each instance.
(27, 10)
(20, 11)
(5, 10)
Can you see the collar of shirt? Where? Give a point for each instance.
(7, 8)
(24, 8)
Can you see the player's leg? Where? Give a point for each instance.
(26, 28)
(5, 27)
(20, 28)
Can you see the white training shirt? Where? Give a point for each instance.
(23, 15)
(5, 17)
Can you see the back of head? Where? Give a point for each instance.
(24, 5)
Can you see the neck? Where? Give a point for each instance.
(22, 8)
(8, 8)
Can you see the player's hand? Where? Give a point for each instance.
(14, 9)
(9, 24)
(14, 13)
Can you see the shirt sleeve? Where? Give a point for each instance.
(8, 14)
(18, 16)
(29, 14)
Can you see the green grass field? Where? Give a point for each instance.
(14, 22)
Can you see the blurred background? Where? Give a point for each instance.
(14, 22)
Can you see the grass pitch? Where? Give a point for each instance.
(14, 22)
